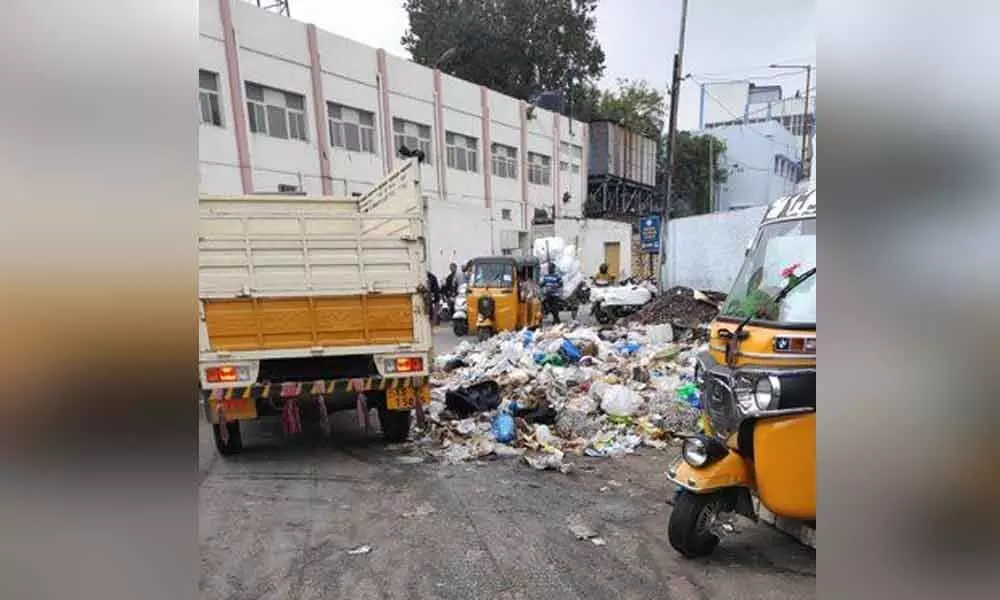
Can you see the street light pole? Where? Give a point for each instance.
(675, 94)
(806, 151)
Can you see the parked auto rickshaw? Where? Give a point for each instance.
(503, 295)
(757, 384)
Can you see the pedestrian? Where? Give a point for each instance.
(552, 285)
(433, 296)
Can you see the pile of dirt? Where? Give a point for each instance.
(681, 306)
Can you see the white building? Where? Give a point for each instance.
(286, 106)
(762, 162)
(763, 135)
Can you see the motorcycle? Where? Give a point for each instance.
(612, 302)
(460, 313)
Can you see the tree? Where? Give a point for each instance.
(636, 105)
(697, 157)
(516, 47)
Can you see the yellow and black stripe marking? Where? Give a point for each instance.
(265, 391)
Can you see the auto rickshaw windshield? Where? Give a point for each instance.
(490, 274)
(782, 252)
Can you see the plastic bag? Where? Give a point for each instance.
(570, 351)
(620, 401)
(475, 398)
(504, 429)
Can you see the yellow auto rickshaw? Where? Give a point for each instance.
(503, 295)
(757, 388)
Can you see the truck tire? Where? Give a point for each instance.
(686, 531)
(395, 425)
(484, 333)
(232, 446)
(460, 327)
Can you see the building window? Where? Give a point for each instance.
(351, 128)
(576, 169)
(276, 113)
(504, 161)
(208, 98)
(539, 169)
(563, 166)
(412, 135)
(577, 152)
(463, 152)
(505, 214)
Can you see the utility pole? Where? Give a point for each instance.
(711, 174)
(806, 150)
(675, 94)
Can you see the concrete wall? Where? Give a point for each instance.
(706, 251)
(590, 235)
(471, 213)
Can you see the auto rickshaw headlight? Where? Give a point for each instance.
(695, 451)
(766, 392)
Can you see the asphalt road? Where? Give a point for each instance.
(278, 522)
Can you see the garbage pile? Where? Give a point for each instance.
(553, 250)
(560, 392)
(680, 306)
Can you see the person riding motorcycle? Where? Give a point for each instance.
(603, 279)
(552, 285)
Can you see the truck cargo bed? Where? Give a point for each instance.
(306, 322)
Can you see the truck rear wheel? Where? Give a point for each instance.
(395, 425)
(460, 327)
(234, 443)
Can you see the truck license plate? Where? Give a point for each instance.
(406, 398)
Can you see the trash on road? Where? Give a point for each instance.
(561, 391)
(360, 550)
(423, 510)
(582, 530)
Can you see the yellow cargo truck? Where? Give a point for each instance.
(310, 305)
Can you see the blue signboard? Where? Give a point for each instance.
(649, 233)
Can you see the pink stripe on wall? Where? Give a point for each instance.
(523, 106)
(236, 95)
(441, 163)
(388, 148)
(556, 158)
(487, 152)
(319, 111)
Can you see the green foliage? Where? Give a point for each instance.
(697, 160)
(517, 47)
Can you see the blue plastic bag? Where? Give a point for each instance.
(504, 429)
(529, 336)
(571, 352)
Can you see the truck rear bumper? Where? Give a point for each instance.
(268, 399)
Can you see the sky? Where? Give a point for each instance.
(725, 39)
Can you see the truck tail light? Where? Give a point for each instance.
(226, 374)
(409, 364)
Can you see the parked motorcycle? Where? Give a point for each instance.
(612, 302)
(460, 313)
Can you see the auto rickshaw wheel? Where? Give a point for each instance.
(690, 520)
(231, 446)
(484, 333)
(460, 327)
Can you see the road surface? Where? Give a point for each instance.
(280, 520)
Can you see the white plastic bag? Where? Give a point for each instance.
(620, 401)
